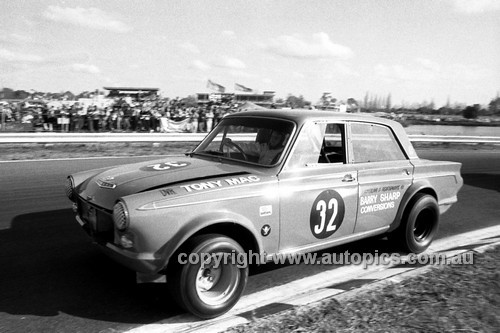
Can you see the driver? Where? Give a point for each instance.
(268, 152)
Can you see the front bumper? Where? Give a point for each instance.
(140, 262)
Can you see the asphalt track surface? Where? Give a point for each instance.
(53, 279)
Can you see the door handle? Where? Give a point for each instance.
(406, 172)
(348, 178)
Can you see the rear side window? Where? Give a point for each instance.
(374, 143)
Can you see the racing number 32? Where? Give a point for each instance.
(327, 214)
(163, 166)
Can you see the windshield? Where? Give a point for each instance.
(249, 139)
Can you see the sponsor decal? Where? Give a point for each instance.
(165, 166)
(380, 198)
(265, 230)
(167, 191)
(266, 210)
(327, 214)
(220, 183)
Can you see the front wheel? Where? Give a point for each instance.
(419, 225)
(211, 286)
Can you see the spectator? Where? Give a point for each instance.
(127, 114)
(44, 112)
(64, 119)
(73, 114)
(145, 117)
(51, 119)
(194, 121)
(94, 118)
(82, 116)
(209, 119)
(201, 120)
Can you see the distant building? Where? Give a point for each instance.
(265, 99)
(135, 93)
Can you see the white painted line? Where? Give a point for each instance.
(218, 326)
(386, 273)
(467, 238)
(485, 248)
(313, 288)
(314, 296)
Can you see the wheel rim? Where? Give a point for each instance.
(215, 285)
(424, 224)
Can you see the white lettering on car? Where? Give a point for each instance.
(242, 180)
(376, 202)
(219, 183)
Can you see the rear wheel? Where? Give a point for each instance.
(419, 225)
(208, 288)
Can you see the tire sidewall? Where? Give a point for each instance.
(422, 202)
(189, 272)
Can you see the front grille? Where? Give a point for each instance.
(99, 222)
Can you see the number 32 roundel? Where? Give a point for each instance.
(327, 214)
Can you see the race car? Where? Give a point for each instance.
(272, 182)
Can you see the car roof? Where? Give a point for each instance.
(301, 115)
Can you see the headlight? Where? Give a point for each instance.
(70, 188)
(120, 216)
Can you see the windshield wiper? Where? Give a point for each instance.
(212, 152)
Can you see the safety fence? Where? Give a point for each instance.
(13, 138)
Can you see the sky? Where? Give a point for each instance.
(415, 51)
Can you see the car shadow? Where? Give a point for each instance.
(50, 266)
(483, 180)
(273, 274)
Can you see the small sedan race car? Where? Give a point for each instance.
(267, 183)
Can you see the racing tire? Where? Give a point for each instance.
(205, 289)
(419, 225)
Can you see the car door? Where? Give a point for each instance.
(384, 174)
(318, 195)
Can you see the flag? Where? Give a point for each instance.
(215, 86)
(240, 87)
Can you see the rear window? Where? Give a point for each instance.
(374, 143)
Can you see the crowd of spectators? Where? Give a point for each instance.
(119, 115)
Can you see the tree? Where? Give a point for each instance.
(471, 112)
(352, 105)
(297, 102)
(494, 106)
(432, 105)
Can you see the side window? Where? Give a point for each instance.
(374, 143)
(332, 150)
(318, 143)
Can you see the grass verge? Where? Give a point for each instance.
(29, 151)
(455, 298)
